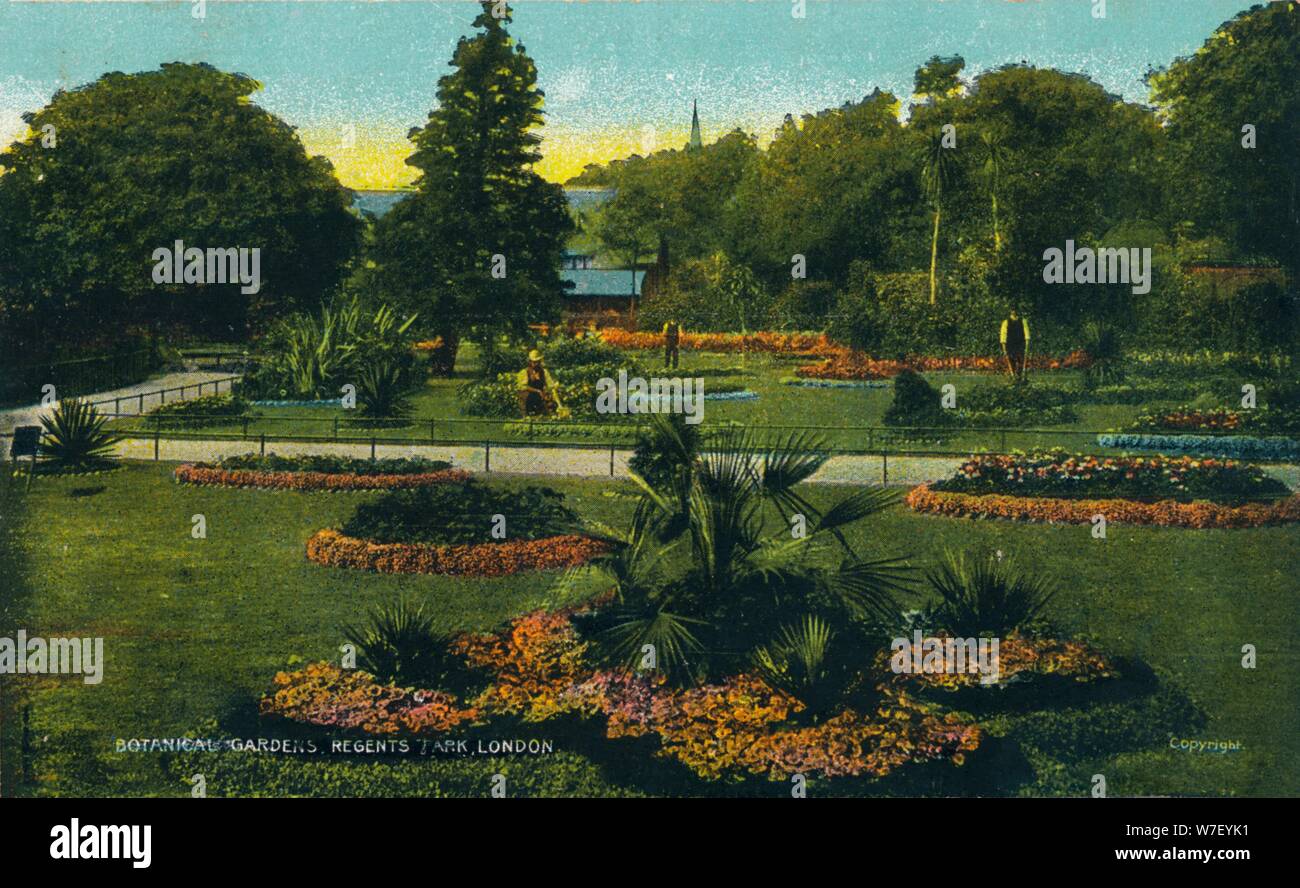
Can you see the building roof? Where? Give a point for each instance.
(590, 283)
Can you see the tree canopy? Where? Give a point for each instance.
(116, 169)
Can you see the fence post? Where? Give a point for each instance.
(1004, 440)
(487, 457)
(141, 410)
(157, 433)
(884, 467)
(611, 460)
(245, 435)
(432, 438)
(162, 396)
(263, 443)
(336, 429)
(372, 448)
(117, 406)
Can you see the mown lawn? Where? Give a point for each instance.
(194, 629)
(836, 415)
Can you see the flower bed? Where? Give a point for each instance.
(1167, 513)
(1187, 419)
(309, 473)
(1016, 655)
(835, 383)
(773, 343)
(323, 402)
(325, 696)
(499, 559)
(196, 413)
(1056, 474)
(538, 670)
(849, 364)
(1227, 446)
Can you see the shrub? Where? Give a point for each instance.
(987, 598)
(460, 513)
(198, 412)
(1024, 403)
(76, 438)
(916, 403)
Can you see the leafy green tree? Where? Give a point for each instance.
(1245, 75)
(476, 248)
(111, 171)
(939, 78)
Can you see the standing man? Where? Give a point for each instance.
(1015, 344)
(672, 337)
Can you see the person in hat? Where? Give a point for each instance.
(1015, 344)
(539, 393)
(672, 337)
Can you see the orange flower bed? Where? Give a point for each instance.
(1166, 513)
(211, 476)
(850, 364)
(779, 343)
(1041, 656)
(326, 696)
(333, 549)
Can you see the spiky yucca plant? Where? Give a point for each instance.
(399, 643)
(987, 597)
(77, 437)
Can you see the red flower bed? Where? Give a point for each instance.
(850, 364)
(777, 343)
(1166, 513)
(333, 549)
(212, 476)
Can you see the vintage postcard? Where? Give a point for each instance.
(786, 399)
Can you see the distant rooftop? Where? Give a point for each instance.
(590, 283)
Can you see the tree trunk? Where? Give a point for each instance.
(934, 255)
(997, 235)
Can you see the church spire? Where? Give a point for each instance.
(696, 141)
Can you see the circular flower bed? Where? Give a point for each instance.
(1056, 510)
(464, 529)
(1054, 487)
(312, 473)
(333, 549)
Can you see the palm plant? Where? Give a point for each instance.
(76, 437)
(988, 598)
(937, 168)
(382, 390)
(398, 643)
(797, 662)
(995, 154)
(1102, 344)
(706, 614)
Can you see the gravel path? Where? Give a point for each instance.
(129, 397)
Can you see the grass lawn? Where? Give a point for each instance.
(194, 629)
(835, 414)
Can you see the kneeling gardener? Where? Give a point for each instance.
(539, 393)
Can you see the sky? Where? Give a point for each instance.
(619, 75)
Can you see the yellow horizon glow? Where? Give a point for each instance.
(377, 161)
